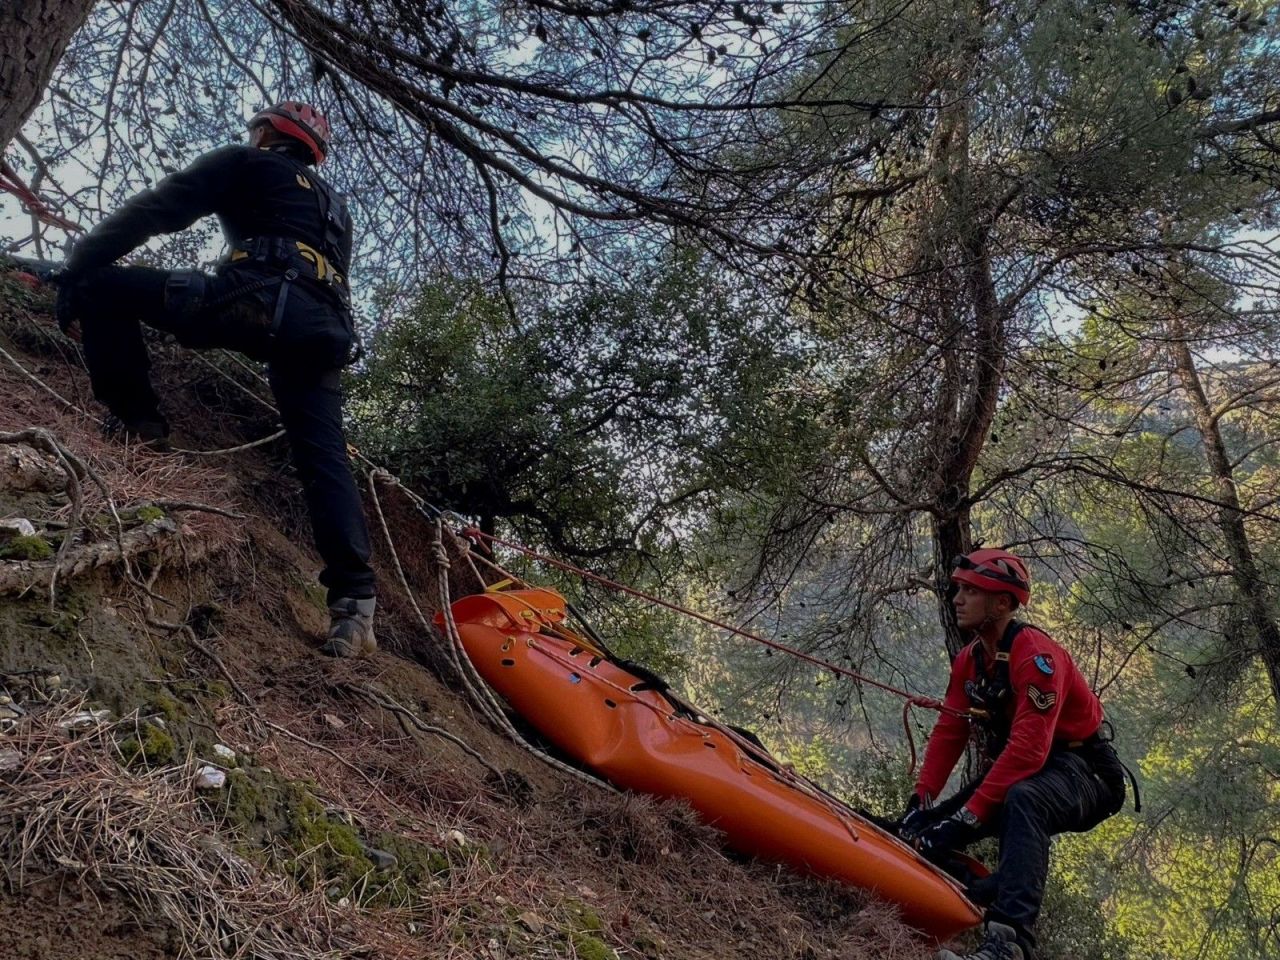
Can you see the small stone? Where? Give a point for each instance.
(457, 838)
(531, 921)
(84, 719)
(16, 527)
(210, 777)
(224, 753)
(335, 723)
(381, 859)
(587, 892)
(8, 712)
(9, 760)
(53, 682)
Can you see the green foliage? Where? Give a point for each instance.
(592, 423)
(1074, 923)
(1203, 881)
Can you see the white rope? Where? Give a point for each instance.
(478, 691)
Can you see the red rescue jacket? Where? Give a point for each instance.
(1051, 703)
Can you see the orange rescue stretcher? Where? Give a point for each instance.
(626, 727)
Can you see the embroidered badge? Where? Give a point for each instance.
(1044, 663)
(1041, 701)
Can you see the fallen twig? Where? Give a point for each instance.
(388, 703)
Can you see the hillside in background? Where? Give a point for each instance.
(183, 775)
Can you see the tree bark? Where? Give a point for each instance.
(33, 34)
(1253, 590)
(972, 326)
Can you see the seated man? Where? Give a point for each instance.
(280, 296)
(1047, 770)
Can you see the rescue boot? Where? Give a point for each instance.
(351, 628)
(1001, 943)
(151, 431)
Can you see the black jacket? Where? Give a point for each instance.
(253, 193)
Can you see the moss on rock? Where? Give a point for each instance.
(151, 746)
(582, 928)
(589, 947)
(288, 829)
(582, 917)
(26, 548)
(166, 705)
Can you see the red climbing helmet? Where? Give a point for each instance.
(997, 571)
(300, 121)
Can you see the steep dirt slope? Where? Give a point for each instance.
(181, 774)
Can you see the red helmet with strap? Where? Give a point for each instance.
(298, 120)
(996, 571)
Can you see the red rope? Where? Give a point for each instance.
(10, 182)
(474, 533)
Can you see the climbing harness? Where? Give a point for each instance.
(990, 693)
(296, 255)
(323, 266)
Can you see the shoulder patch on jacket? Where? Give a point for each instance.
(1044, 663)
(1041, 700)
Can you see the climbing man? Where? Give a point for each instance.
(278, 295)
(1046, 767)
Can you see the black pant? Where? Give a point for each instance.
(112, 304)
(1074, 792)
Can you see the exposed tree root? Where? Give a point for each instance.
(20, 576)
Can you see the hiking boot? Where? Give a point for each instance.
(152, 431)
(351, 628)
(1001, 943)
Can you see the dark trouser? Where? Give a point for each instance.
(1074, 792)
(115, 301)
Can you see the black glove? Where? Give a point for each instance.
(953, 833)
(66, 309)
(915, 819)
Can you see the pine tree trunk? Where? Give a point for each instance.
(1254, 595)
(33, 34)
(974, 325)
